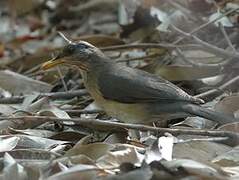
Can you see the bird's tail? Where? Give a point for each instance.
(218, 117)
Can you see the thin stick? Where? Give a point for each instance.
(206, 24)
(220, 89)
(146, 46)
(106, 126)
(62, 79)
(227, 38)
(208, 47)
(65, 38)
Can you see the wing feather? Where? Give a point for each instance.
(128, 85)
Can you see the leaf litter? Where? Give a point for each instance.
(44, 114)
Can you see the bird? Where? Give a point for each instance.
(129, 94)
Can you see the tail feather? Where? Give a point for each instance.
(218, 117)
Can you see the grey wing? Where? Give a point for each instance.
(128, 85)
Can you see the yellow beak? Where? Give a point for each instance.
(52, 63)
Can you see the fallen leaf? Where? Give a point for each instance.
(19, 84)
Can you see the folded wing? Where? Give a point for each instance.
(128, 85)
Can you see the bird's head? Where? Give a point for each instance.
(81, 54)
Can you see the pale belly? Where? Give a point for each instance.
(138, 113)
(129, 113)
(133, 113)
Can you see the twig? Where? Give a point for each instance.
(227, 38)
(214, 139)
(220, 89)
(205, 25)
(89, 5)
(138, 58)
(31, 70)
(80, 111)
(208, 47)
(183, 9)
(221, 66)
(145, 46)
(184, 58)
(62, 78)
(65, 38)
(56, 95)
(106, 125)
